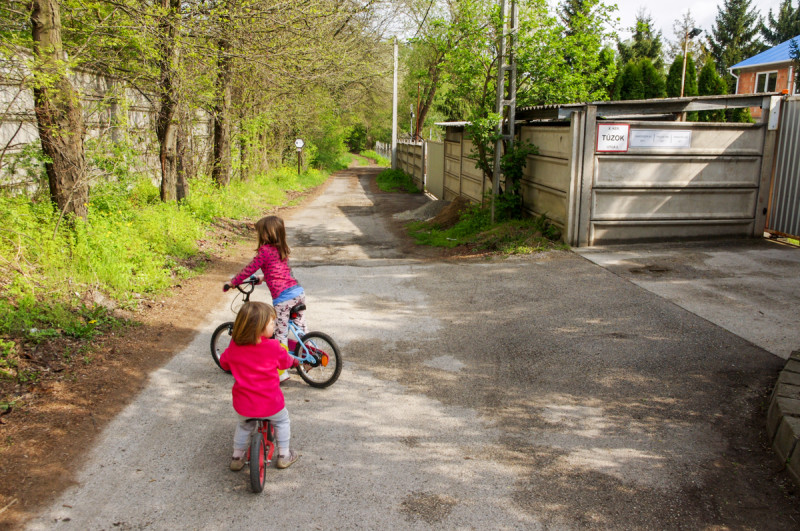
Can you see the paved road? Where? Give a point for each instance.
(539, 392)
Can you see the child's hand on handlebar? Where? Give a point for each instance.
(225, 288)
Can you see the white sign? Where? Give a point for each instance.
(299, 143)
(661, 138)
(612, 137)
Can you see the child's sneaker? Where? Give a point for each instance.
(237, 463)
(286, 462)
(284, 375)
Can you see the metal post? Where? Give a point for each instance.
(394, 111)
(501, 77)
(509, 26)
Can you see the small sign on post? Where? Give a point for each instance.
(299, 145)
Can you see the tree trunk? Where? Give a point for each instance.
(184, 169)
(58, 113)
(221, 170)
(166, 124)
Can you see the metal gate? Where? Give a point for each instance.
(784, 204)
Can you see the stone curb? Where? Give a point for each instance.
(783, 416)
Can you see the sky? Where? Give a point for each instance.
(665, 12)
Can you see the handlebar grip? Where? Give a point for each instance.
(225, 288)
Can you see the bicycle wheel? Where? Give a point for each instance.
(220, 340)
(328, 364)
(258, 461)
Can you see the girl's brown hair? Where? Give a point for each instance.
(271, 231)
(251, 321)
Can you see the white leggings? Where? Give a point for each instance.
(283, 432)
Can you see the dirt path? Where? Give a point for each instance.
(533, 392)
(43, 444)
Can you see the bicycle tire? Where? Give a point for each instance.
(323, 375)
(258, 462)
(220, 340)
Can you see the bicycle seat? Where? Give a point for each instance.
(297, 308)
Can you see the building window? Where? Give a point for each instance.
(766, 81)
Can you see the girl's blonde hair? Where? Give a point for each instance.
(271, 231)
(251, 321)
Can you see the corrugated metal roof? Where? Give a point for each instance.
(778, 54)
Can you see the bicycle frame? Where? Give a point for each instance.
(309, 354)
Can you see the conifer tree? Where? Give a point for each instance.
(709, 83)
(645, 43)
(783, 27)
(675, 75)
(734, 36)
(653, 81)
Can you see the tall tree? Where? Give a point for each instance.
(710, 83)
(166, 122)
(645, 43)
(676, 74)
(794, 48)
(696, 46)
(783, 27)
(734, 37)
(58, 112)
(588, 68)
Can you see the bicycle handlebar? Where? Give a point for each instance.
(253, 281)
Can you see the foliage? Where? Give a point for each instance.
(396, 181)
(131, 246)
(676, 74)
(709, 83)
(378, 159)
(734, 37)
(474, 229)
(696, 47)
(784, 27)
(356, 138)
(640, 80)
(794, 48)
(645, 43)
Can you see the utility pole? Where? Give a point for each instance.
(394, 110)
(506, 64)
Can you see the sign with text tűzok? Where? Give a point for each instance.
(612, 137)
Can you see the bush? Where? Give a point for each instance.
(396, 181)
(130, 244)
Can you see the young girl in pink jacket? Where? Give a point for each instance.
(272, 257)
(254, 360)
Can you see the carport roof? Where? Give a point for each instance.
(641, 108)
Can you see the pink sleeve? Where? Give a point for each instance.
(285, 361)
(250, 268)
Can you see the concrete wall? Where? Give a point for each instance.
(434, 181)
(411, 159)
(112, 111)
(715, 184)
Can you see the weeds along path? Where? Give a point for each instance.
(532, 392)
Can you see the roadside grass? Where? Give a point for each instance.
(380, 160)
(474, 230)
(396, 181)
(62, 282)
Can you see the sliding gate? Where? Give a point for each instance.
(784, 205)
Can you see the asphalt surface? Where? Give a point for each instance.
(539, 392)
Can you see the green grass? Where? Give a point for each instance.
(396, 181)
(474, 229)
(378, 159)
(131, 246)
